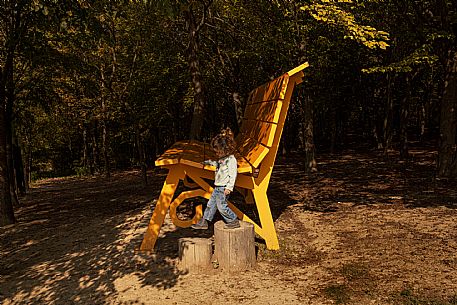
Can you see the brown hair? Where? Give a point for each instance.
(224, 142)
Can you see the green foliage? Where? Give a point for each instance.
(333, 14)
(120, 68)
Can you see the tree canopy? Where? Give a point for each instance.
(92, 86)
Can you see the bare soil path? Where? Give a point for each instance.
(363, 230)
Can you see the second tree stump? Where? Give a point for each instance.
(235, 248)
(195, 253)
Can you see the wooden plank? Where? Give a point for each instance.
(243, 165)
(274, 90)
(193, 153)
(174, 153)
(171, 156)
(264, 111)
(252, 151)
(192, 159)
(298, 69)
(245, 129)
(262, 132)
(166, 161)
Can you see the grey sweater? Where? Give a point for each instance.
(226, 170)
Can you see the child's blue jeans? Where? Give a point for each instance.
(218, 201)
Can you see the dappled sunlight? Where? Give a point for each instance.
(364, 178)
(361, 218)
(71, 248)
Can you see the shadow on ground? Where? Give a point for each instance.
(355, 178)
(75, 237)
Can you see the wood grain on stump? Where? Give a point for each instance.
(195, 253)
(234, 248)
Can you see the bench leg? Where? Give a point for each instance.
(160, 210)
(266, 219)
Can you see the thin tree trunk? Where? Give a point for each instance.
(447, 163)
(85, 148)
(238, 108)
(19, 169)
(141, 154)
(28, 166)
(387, 126)
(404, 115)
(308, 135)
(105, 149)
(422, 122)
(333, 130)
(104, 116)
(105, 141)
(95, 157)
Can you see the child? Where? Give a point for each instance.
(226, 170)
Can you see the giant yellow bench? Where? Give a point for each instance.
(257, 145)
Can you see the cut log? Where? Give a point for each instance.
(234, 249)
(195, 253)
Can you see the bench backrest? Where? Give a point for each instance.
(264, 118)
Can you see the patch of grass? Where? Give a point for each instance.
(355, 271)
(358, 284)
(409, 297)
(339, 293)
(292, 253)
(359, 278)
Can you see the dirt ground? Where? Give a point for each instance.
(363, 230)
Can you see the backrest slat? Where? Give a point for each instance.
(264, 118)
(272, 90)
(264, 111)
(259, 125)
(252, 151)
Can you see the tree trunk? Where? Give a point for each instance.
(447, 161)
(308, 135)
(194, 66)
(28, 166)
(95, 157)
(19, 169)
(404, 115)
(238, 108)
(333, 130)
(8, 102)
(387, 125)
(6, 204)
(141, 154)
(85, 148)
(105, 149)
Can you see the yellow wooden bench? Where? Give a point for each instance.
(257, 145)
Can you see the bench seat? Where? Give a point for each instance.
(193, 153)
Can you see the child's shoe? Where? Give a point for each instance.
(232, 225)
(202, 224)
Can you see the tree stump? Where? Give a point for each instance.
(235, 248)
(195, 253)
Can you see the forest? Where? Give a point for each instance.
(96, 88)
